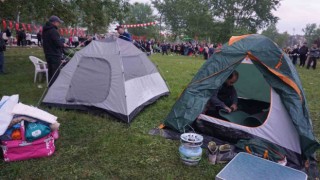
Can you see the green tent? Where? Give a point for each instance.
(267, 76)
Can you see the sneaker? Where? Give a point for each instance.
(212, 152)
(225, 154)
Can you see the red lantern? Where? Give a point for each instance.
(10, 24)
(29, 27)
(144, 24)
(24, 26)
(66, 31)
(17, 26)
(4, 24)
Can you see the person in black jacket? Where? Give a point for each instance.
(52, 47)
(225, 98)
(294, 54)
(2, 49)
(39, 37)
(303, 51)
(8, 34)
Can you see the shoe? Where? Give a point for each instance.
(212, 152)
(225, 154)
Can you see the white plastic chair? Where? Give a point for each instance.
(40, 67)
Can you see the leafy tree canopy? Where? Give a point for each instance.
(217, 19)
(141, 13)
(94, 14)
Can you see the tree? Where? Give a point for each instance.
(218, 19)
(36, 11)
(141, 13)
(98, 14)
(312, 34)
(280, 38)
(271, 32)
(94, 14)
(186, 17)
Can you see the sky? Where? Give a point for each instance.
(293, 14)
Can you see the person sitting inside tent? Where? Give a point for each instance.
(226, 98)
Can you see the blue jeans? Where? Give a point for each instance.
(1, 62)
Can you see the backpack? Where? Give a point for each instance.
(262, 149)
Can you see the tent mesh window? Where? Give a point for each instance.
(137, 66)
(91, 81)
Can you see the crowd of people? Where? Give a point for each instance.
(185, 49)
(306, 55)
(21, 38)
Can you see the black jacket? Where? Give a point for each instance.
(2, 43)
(51, 40)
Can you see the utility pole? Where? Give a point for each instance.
(294, 37)
(160, 26)
(18, 17)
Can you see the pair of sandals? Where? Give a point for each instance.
(220, 154)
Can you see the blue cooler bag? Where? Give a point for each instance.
(36, 131)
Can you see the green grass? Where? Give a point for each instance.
(101, 148)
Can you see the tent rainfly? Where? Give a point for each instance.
(268, 81)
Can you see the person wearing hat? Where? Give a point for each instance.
(52, 47)
(122, 34)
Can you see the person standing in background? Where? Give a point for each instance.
(123, 34)
(294, 54)
(75, 40)
(70, 41)
(313, 56)
(23, 37)
(2, 49)
(19, 36)
(206, 53)
(303, 51)
(211, 50)
(52, 47)
(164, 48)
(28, 38)
(9, 36)
(39, 37)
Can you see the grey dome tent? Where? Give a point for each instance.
(111, 75)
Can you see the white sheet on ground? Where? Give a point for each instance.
(7, 104)
(22, 109)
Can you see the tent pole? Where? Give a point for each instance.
(124, 85)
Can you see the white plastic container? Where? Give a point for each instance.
(190, 148)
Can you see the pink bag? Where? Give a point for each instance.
(16, 150)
